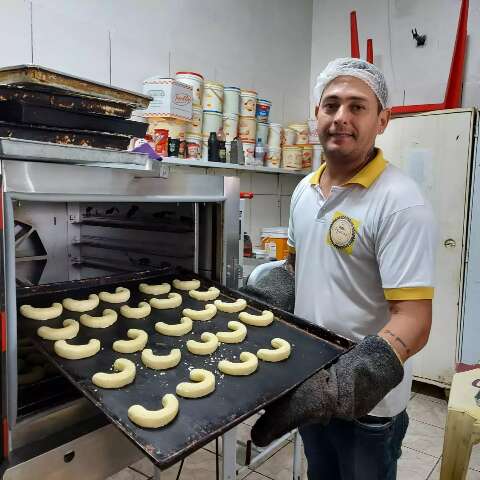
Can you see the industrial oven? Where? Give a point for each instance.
(75, 220)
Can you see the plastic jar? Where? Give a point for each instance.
(194, 145)
(274, 242)
(292, 157)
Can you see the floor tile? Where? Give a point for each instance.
(424, 438)
(414, 465)
(127, 474)
(423, 409)
(471, 474)
(279, 466)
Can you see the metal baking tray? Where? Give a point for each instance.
(38, 75)
(64, 100)
(200, 420)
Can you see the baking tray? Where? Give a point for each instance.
(64, 136)
(21, 112)
(41, 76)
(45, 97)
(200, 420)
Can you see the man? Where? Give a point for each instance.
(362, 243)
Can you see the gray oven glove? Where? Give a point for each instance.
(349, 389)
(276, 288)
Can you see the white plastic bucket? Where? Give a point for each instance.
(274, 134)
(273, 157)
(212, 122)
(307, 155)
(317, 157)
(212, 96)
(313, 132)
(289, 136)
(176, 128)
(262, 132)
(302, 132)
(196, 81)
(249, 152)
(194, 145)
(231, 100)
(204, 148)
(228, 149)
(248, 103)
(247, 129)
(195, 126)
(263, 110)
(230, 126)
(292, 158)
(274, 241)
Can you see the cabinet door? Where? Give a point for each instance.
(435, 149)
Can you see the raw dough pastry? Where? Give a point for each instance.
(161, 289)
(175, 329)
(256, 320)
(75, 352)
(186, 285)
(280, 352)
(109, 317)
(174, 300)
(207, 346)
(40, 313)
(70, 329)
(81, 305)
(121, 295)
(211, 294)
(124, 374)
(138, 341)
(155, 418)
(142, 311)
(204, 383)
(208, 313)
(247, 365)
(32, 376)
(161, 362)
(236, 336)
(231, 307)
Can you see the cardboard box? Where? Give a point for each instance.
(170, 98)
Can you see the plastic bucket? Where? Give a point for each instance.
(248, 103)
(289, 136)
(249, 152)
(292, 157)
(231, 100)
(194, 145)
(274, 242)
(302, 132)
(274, 135)
(247, 129)
(313, 132)
(307, 155)
(176, 128)
(230, 126)
(263, 110)
(273, 157)
(196, 81)
(195, 125)
(213, 96)
(317, 157)
(212, 122)
(262, 132)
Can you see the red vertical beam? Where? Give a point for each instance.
(453, 93)
(370, 50)
(355, 47)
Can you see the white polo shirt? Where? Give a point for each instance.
(372, 240)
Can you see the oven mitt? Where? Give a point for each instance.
(276, 288)
(349, 389)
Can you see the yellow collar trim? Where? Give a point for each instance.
(365, 177)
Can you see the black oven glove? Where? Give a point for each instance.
(276, 288)
(349, 389)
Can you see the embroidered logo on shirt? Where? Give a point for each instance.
(343, 232)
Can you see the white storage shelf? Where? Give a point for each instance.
(229, 166)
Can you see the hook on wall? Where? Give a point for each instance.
(421, 39)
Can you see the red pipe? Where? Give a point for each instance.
(354, 35)
(370, 50)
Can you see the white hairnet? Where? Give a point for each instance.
(353, 67)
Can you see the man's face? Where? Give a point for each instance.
(348, 118)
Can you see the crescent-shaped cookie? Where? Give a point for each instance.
(108, 318)
(125, 371)
(207, 346)
(76, 352)
(231, 307)
(186, 284)
(155, 418)
(257, 320)
(161, 289)
(203, 383)
(247, 365)
(174, 300)
(41, 313)
(208, 313)
(138, 341)
(281, 351)
(81, 305)
(121, 295)
(175, 329)
(211, 294)
(143, 310)
(161, 362)
(237, 335)
(69, 330)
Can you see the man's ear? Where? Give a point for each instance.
(383, 119)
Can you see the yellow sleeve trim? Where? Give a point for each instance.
(291, 249)
(409, 293)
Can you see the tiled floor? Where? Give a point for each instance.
(422, 449)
